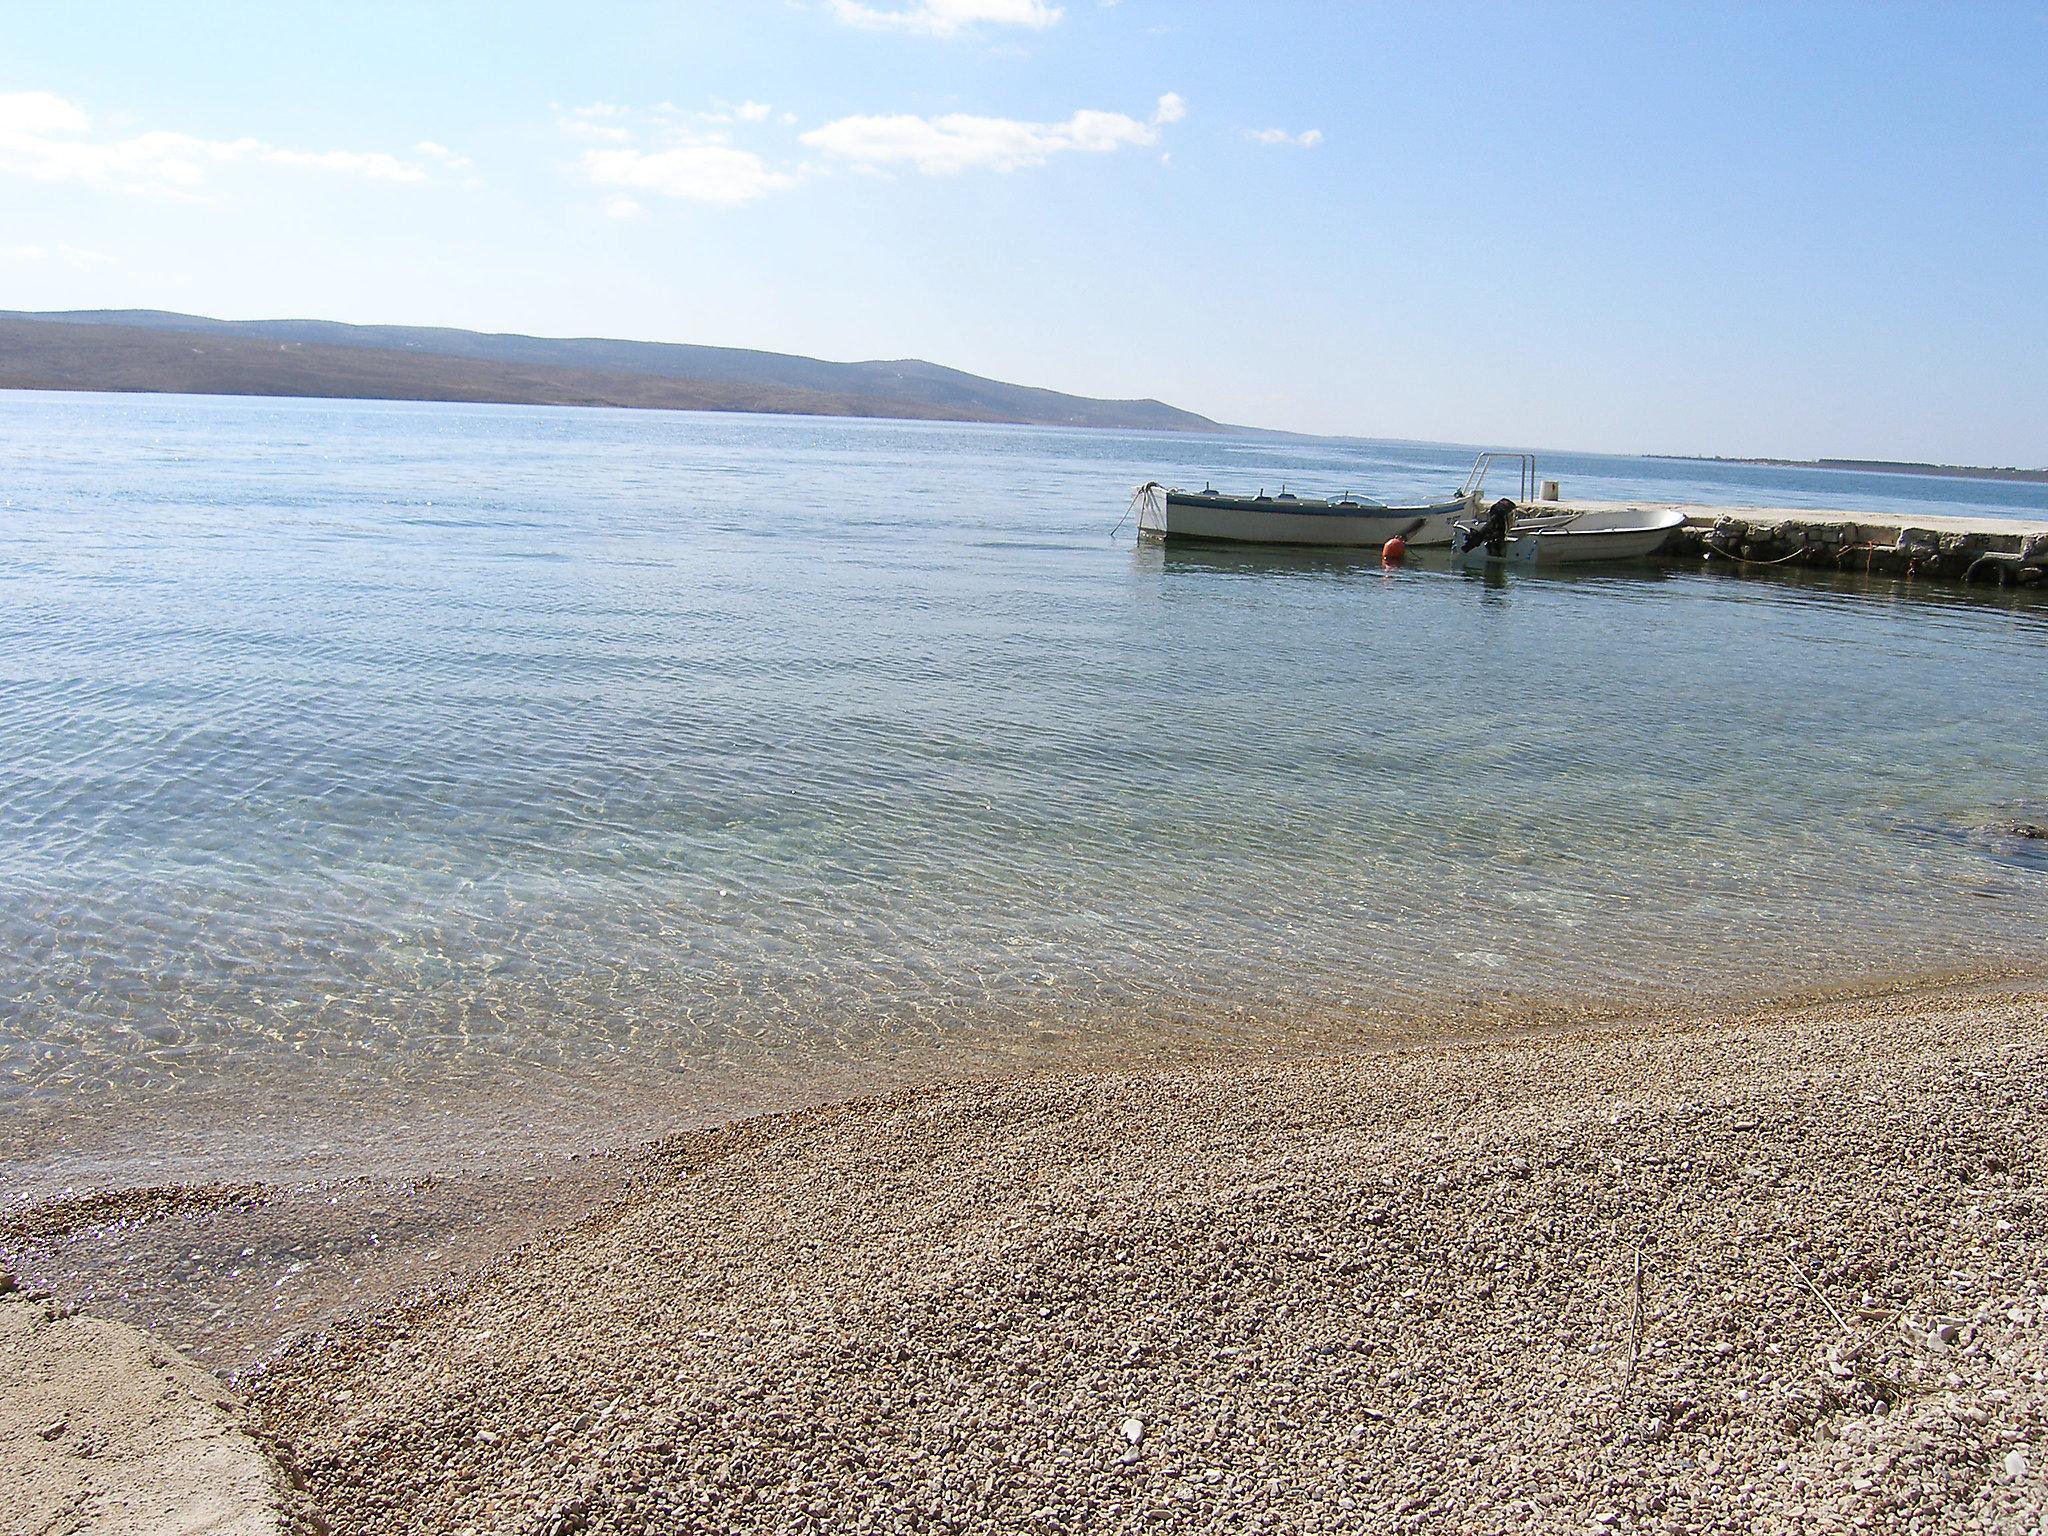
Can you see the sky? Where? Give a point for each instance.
(1773, 229)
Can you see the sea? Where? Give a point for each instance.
(396, 785)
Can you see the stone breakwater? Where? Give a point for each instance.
(2008, 559)
(1989, 551)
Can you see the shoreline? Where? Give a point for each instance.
(60, 1173)
(1281, 1235)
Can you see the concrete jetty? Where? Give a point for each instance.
(1999, 551)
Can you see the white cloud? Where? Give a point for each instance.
(43, 137)
(947, 18)
(427, 149)
(76, 257)
(657, 152)
(700, 172)
(726, 112)
(599, 120)
(70, 255)
(669, 153)
(944, 146)
(40, 112)
(376, 165)
(1308, 139)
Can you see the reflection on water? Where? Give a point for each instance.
(460, 766)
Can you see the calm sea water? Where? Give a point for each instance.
(391, 779)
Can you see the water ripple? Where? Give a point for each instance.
(362, 752)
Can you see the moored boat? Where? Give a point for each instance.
(1579, 538)
(1287, 519)
(1347, 520)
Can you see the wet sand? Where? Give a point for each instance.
(1783, 1268)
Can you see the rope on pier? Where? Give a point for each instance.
(1866, 550)
(1729, 554)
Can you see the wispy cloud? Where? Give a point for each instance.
(427, 149)
(957, 141)
(947, 18)
(726, 112)
(692, 156)
(45, 137)
(667, 152)
(1307, 139)
(69, 255)
(702, 171)
(601, 120)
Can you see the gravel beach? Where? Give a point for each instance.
(1779, 1271)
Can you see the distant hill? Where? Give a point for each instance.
(157, 352)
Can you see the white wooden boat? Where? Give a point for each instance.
(1620, 533)
(1288, 519)
(1347, 520)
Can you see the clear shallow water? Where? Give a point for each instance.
(384, 776)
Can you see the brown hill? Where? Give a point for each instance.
(150, 351)
(44, 354)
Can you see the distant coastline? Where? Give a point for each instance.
(1871, 466)
(155, 352)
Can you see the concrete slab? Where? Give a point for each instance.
(103, 1430)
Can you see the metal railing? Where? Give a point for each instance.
(1483, 466)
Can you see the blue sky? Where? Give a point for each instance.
(1787, 229)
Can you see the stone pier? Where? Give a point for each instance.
(1996, 551)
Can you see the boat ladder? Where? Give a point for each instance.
(1483, 466)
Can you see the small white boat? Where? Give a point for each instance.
(1619, 533)
(1346, 521)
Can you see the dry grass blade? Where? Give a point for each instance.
(1818, 1295)
(1635, 1343)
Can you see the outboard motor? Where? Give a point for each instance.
(1489, 533)
(1500, 518)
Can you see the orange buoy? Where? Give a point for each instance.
(1394, 551)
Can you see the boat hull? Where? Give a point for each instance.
(1266, 520)
(1585, 539)
(1568, 548)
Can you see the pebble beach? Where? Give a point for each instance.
(1774, 1270)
